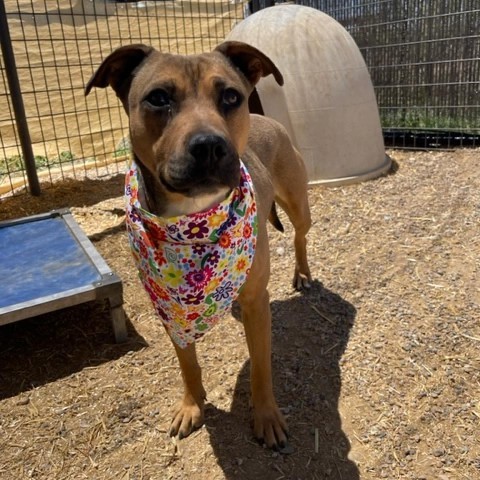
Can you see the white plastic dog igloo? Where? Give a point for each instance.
(327, 103)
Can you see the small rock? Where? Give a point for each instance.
(438, 452)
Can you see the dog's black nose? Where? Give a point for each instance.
(208, 149)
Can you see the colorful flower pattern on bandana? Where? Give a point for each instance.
(193, 266)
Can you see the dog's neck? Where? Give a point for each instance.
(156, 200)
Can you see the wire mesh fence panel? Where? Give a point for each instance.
(11, 165)
(424, 60)
(58, 45)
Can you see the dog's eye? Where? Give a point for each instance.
(158, 99)
(231, 98)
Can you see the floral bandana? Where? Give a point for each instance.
(193, 266)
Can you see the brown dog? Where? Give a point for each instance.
(189, 125)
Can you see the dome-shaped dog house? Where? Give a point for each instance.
(327, 103)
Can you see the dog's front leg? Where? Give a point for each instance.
(268, 422)
(188, 414)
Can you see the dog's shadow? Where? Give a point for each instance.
(310, 334)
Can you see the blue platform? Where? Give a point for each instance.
(48, 263)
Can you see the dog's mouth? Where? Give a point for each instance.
(196, 185)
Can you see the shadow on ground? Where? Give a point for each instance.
(40, 350)
(310, 334)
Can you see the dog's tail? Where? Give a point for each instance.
(273, 218)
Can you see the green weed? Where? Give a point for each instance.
(16, 164)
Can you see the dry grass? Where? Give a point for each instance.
(377, 368)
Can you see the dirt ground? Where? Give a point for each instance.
(376, 368)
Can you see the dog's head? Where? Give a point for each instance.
(188, 115)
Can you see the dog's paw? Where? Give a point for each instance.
(270, 427)
(302, 281)
(187, 417)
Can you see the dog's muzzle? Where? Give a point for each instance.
(209, 162)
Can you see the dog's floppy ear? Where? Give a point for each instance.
(117, 69)
(250, 61)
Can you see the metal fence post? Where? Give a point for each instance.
(17, 102)
(257, 5)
